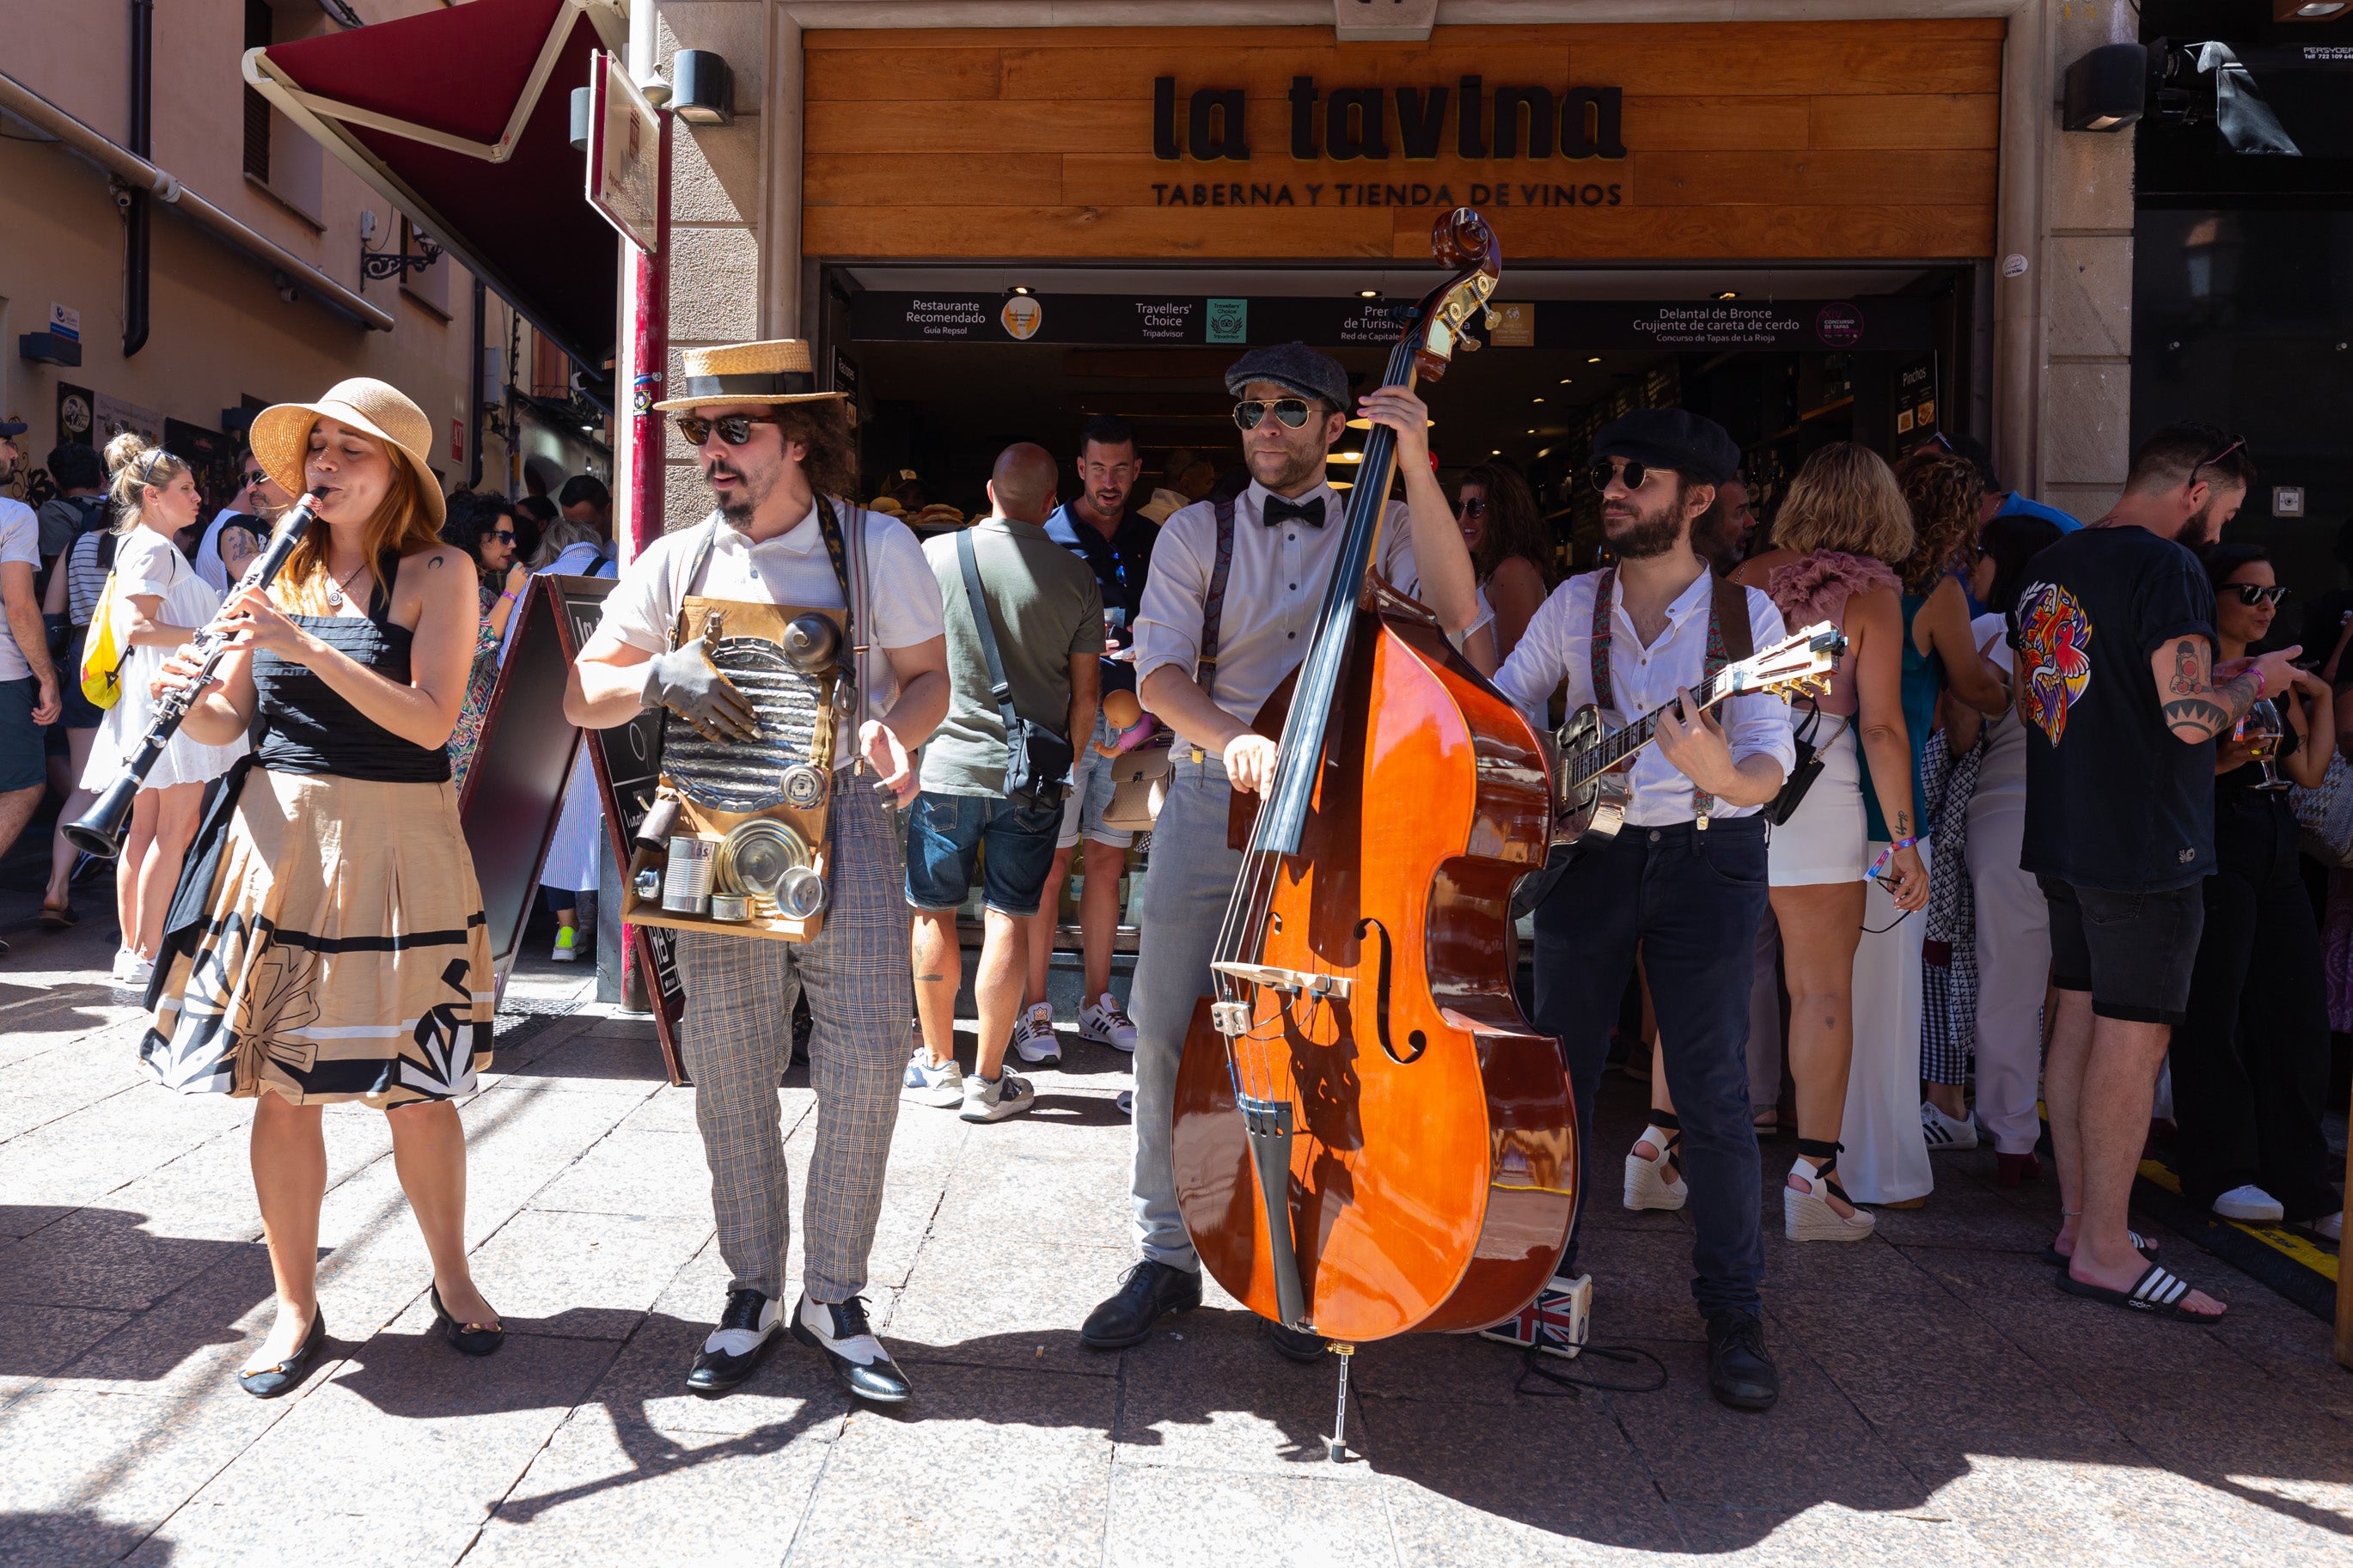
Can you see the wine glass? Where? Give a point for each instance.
(2261, 730)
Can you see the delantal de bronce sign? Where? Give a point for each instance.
(1356, 122)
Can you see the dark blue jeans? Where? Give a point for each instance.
(1691, 900)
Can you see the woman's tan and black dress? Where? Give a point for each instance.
(327, 942)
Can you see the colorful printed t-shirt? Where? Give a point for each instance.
(2113, 800)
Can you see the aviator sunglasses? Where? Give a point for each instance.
(2255, 593)
(1291, 410)
(1631, 475)
(733, 429)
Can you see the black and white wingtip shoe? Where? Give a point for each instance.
(858, 1360)
(747, 1330)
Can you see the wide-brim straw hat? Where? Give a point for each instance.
(777, 371)
(281, 435)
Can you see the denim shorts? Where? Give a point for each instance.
(21, 764)
(2133, 951)
(1091, 791)
(945, 835)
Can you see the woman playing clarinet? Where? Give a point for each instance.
(327, 943)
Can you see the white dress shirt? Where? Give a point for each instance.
(1273, 589)
(903, 595)
(1558, 646)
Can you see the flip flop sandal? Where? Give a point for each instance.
(58, 917)
(2155, 1292)
(2141, 1244)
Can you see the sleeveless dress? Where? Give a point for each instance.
(327, 939)
(1823, 839)
(146, 563)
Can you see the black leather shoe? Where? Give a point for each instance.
(860, 1362)
(272, 1381)
(1150, 1293)
(748, 1331)
(471, 1339)
(1740, 1370)
(1291, 1343)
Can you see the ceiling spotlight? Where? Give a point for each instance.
(2315, 12)
(1341, 484)
(1539, 400)
(1363, 424)
(1727, 293)
(1564, 381)
(1021, 289)
(1368, 293)
(1494, 451)
(1346, 458)
(1594, 360)
(1544, 451)
(1532, 430)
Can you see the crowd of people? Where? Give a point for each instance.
(2030, 843)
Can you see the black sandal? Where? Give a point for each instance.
(471, 1339)
(2141, 1244)
(2155, 1292)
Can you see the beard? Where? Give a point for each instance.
(1644, 534)
(2200, 531)
(750, 489)
(1283, 470)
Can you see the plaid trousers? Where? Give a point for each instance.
(737, 1041)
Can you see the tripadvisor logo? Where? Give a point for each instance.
(1356, 122)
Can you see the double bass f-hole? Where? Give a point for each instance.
(1416, 1039)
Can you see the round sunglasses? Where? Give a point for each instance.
(1472, 507)
(1628, 472)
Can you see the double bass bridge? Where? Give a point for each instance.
(1232, 1019)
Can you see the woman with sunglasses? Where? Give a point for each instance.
(1511, 548)
(2250, 1057)
(483, 527)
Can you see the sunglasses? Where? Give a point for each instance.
(502, 536)
(2238, 444)
(2254, 594)
(733, 429)
(1473, 506)
(1602, 470)
(1291, 410)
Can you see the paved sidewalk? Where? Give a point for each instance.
(1944, 1404)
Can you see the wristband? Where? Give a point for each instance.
(2261, 684)
(1886, 855)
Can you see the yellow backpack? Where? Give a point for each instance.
(102, 649)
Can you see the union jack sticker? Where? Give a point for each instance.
(1554, 1322)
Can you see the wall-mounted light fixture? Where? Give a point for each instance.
(2105, 88)
(702, 89)
(2308, 10)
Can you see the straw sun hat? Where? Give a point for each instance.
(281, 435)
(777, 371)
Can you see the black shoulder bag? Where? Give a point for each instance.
(1037, 760)
(1803, 773)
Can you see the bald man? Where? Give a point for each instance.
(1042, 605)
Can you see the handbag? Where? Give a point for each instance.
(1139, 785)
(2324, 815)
(1037, 760)
(1803, 773)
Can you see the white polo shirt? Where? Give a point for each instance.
(903, 594)
(1558, 646)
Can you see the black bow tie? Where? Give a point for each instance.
(1308, 512)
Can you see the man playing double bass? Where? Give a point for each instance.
(1227, 613)
(1684, 878)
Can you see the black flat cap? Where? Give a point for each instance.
(1310, 373)
(1692, 444)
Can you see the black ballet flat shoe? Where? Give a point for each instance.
(471, 1339)
(272, 1381)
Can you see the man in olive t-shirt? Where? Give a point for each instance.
(1047, 616)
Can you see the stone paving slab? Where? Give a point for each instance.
(1944, 1402)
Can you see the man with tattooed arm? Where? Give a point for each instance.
(2116, 681)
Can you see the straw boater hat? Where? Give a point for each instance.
(774, 372)
(281, 435)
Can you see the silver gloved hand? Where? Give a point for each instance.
(684, 681)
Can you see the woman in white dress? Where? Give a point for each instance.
(161, 602)
(575, 550)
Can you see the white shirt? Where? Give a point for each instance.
(20, 539)
(1558, 646)
(209, 561)
(1273, 589)
(902, 592)
(2004, 767)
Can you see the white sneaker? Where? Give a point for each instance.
(568, 945)
(1106, 1023)
(2249, 1204)
(124, 958)
(1808, 1216)
(2329, 1227)
(142, 970)
(928, 1085)
(1033, 1035)
(1654, 1183)
(994, 1100)
(1944, 1134)
(1126, 1103)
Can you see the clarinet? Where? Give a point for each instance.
(102, 830)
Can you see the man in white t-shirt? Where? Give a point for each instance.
(772, 447)
(28, 682)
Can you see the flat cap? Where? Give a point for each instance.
(1307, 371)
(1692, 444)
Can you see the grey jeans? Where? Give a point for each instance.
(1183, 903)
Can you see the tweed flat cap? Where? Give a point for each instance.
(1692, 444)
(1307, 371)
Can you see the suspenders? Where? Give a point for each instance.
(1729, 639)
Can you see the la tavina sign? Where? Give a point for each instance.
(1376, 124)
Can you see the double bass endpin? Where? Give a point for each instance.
(1338, 1449)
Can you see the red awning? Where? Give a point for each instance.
(462, 118)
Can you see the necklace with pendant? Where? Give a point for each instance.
(335, 589)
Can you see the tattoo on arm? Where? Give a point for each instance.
(2195, 719)
(2189, 668)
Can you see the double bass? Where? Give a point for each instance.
(1369, 1139)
